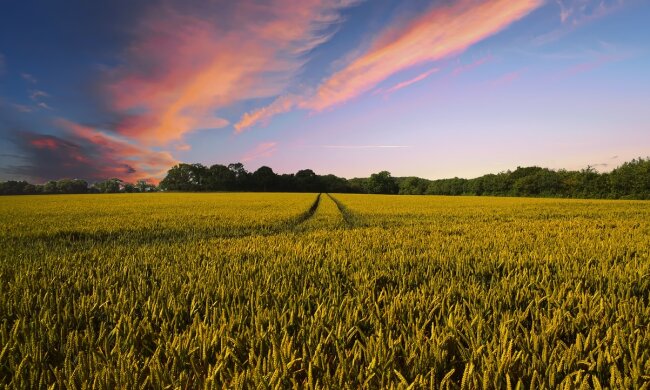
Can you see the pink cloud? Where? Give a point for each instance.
(22, 108)
(45, 106)
(414, 80)
(36, 95)
(365, 146)
(265, 149)
(183, 147)
(44, 142)
(460, 69)
(438, 33)
(29, 78)
(507, 78)
(110, 154)
(576, 12)
(184, 66)
(588, 66)
(262, 115)
(441, 32)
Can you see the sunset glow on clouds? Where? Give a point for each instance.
(440, 32)
(412, 81)
(169, 81)
(144, 163)
(265, 149)
(183, 68)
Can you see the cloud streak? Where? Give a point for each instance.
(412, 81)
(590, 65)
(186, 65)
(460, 69)
(264, 149)
(87, 153)
(365, 146)
(113, 152)
(263, 115)
(29, 78)
(507, 78)
(576, 12)
(441, 32)
(36, 95)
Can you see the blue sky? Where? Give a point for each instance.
(429, 88)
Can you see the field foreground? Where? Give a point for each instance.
(318, 291)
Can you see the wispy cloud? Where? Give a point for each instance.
(438, 33)
(183, 65)
(50, 157)
(575, 13)
(264, 149)
(605, 165)
(44, 106)
(36, 95)
(186, 64)
(441, 32)
(590, 65)
(85, 152)
(183, 147)
(412, 81)
(507, 78)
(46, 142)
(22, 108)
(463, 68)
(29, 78)
(263, 115)
(365, 146)
(110, 154)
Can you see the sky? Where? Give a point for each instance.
(428, 88)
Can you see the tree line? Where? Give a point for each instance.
(631, 180)
(74, 186)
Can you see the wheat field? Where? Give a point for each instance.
(272, 291)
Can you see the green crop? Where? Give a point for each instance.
(307, 291)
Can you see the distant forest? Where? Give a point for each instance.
(631, 180)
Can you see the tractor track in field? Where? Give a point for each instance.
(350, 219)
(84, 238)
(309, 213)
(292, 225)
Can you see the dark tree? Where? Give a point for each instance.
(144, 186)
(413, 186)
(382, 183)
(185, 177)
(631, 180)
(241, 175)
(265, 179)
(71, 186)
(221, 178)
(13, 187)
(109, 186)
(331, 183)
(307, 181)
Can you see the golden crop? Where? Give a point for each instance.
(349, 291)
